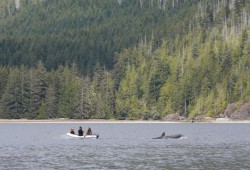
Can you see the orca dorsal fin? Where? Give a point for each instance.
(163, 134)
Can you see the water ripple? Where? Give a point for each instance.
(208, 147)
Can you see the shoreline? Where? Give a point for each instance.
(83, 121)
(218, 120)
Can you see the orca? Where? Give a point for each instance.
(163, 136)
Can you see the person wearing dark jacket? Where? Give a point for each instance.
(80, 131)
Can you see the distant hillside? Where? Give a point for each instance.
(84, 31)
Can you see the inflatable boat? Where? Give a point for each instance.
(94, 136)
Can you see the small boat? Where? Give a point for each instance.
(94, 136)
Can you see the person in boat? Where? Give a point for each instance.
(89, 132)
(80, 131)
(72, 131)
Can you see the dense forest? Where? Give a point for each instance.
(84, 32)
(124, 58)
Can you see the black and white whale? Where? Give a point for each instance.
(163, 136)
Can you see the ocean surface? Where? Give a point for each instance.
(124, 146)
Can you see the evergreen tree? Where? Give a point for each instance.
(11, 100)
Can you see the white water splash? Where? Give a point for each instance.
(183, 137)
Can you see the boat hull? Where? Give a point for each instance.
(83, 137)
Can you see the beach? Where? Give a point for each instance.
(63, 120)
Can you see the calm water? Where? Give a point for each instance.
(125, 146)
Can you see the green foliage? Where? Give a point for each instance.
(133, 59)
(82, 31)
(42, 112)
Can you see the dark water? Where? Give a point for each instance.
(125, 146)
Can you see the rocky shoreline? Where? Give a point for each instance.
(181, 120)
(232, 114)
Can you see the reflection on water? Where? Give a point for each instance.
(125, 146)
